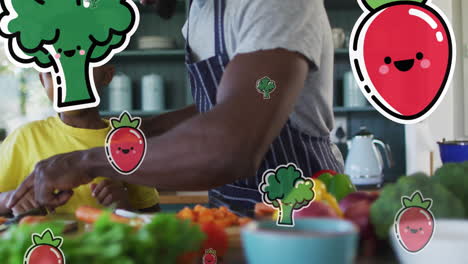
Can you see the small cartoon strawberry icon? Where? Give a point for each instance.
(414, 223)
(210, 257)
(45, 249)
(403, 56)
(126, 144)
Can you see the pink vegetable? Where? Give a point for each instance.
(359, 214)
(356, 197)
(316, 209)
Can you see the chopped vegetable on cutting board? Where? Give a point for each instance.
(221, 225)
(220, 216)
(263, 211)
(90, 215)
(33, 219)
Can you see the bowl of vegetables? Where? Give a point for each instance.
(320, 240)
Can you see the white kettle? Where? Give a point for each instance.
(364, 162)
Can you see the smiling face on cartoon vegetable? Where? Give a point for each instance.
(408, 58)
(71, 51)
(403, 52)
(125, 144)
(72, 45)
(414, 224)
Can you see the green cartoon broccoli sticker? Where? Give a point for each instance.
(287, 190)
(67, 38)
(266, 86)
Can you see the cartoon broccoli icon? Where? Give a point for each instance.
(286, 189)
(68, 38)
(266, 86)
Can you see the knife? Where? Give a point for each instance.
(17, 219)
(124, 213)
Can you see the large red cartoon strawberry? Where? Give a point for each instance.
(414, 223)
(45, 250)
(402, 54)
(126, 144)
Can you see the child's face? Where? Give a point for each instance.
(102, 77)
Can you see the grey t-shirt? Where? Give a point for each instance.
(296, 25)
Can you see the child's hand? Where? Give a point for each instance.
(25, 204)
(109, 192)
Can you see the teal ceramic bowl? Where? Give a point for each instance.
(319, 240)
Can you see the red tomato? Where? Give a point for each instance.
(217, 238)
(317, 174)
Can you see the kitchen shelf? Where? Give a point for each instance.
(134, 113)
(154, 53)
(342, 109)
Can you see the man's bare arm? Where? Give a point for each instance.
(230, 141)
(206, 151)
(158, 125)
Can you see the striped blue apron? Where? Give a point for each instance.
(311, 154)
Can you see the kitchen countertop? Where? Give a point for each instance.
(183, 199)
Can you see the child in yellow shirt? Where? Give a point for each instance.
(67, 132)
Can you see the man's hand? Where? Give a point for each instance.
(25, 204)
(109, 192)
(53, 180)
